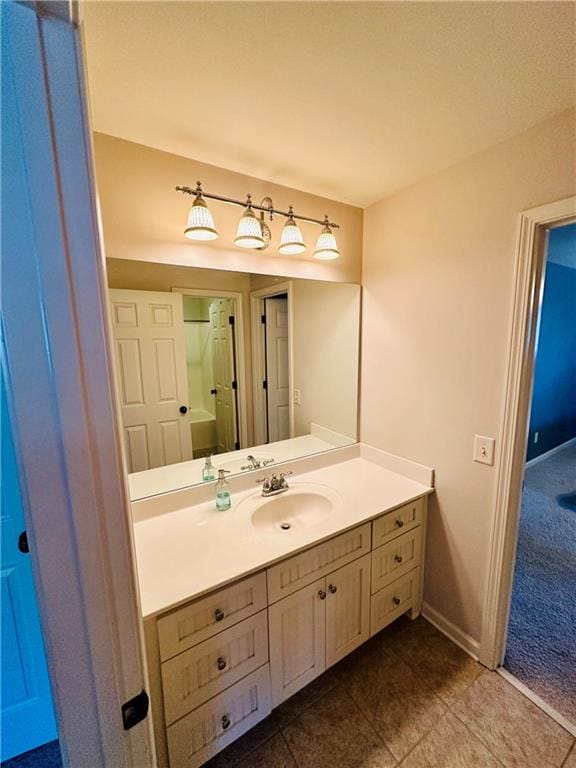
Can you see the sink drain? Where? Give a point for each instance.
(285, 526)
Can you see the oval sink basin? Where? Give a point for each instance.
(294, 509)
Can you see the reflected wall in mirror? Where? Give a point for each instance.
(252, 370)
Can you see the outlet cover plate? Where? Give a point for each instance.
(484, 449)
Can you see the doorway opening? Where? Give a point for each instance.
(541, 644)
(210, 331)
(272, 355)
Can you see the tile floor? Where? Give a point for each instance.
(411, 698)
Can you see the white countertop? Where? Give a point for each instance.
(191, 551)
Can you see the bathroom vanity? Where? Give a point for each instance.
(245, 607)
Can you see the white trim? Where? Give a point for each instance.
(418, 472)
(452, 632)
(56, 358)
(528, 280)
(551, 452)
(240, 344)
(535, 699)
(258, 360)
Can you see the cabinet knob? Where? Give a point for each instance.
(332, 588)
(321, 594)
(399, 523)
(218, 614)
(398, 558)
(396, 600)
(221, 663)
(226, 722)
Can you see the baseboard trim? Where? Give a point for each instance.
(452, 632)
(535, 699)
(551, 452)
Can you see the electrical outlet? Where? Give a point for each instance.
(484, 449)
(297, 397)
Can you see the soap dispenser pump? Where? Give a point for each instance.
(223, 498)
(208, 471)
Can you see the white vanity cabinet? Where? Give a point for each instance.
(220, 663)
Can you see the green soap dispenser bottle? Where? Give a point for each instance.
(208, 472)
(223, 498)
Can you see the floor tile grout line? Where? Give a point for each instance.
(478, 738)
(292, 755)
(370, 724)
(571, 751)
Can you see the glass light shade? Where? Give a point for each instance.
(291, 241)
(326, 246)
(200, 224)
(249, 232)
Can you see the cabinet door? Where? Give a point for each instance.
(347, 609)
(297, 640)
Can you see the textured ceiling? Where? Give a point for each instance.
(349, 100)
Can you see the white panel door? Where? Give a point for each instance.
(277, 369)
(347, 609)
(26, 712)
(152, 378)
(297, 640)
(222, 333)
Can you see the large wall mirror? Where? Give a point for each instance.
(251, 370)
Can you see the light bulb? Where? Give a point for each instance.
(291, 241)
(200, 224)
(326, 245)
(249, 232)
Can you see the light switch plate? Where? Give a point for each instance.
(484, 449)
(297, 397)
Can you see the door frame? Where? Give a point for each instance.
(239, 353)
(259, 357)
(57, 357)
(529, 273)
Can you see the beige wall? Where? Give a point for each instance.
(144, 218)
(326, 346)
(437, 302)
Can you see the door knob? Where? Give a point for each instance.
(213, 391)
(183, 409)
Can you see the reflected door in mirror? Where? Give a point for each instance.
(148, 329)
(222, 329)
(277, 369)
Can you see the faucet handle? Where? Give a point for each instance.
(285, 474)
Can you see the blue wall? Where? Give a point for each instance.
(553, 414)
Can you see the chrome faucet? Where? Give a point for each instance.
(253, 463)
(272, 486)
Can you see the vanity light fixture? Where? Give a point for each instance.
(291, 242)
(252, 230)
(200, 225)
(326, 245)
(249, 232)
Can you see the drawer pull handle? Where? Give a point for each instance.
(396, 600)
(221, 663)
(226, 722)
(398, 558)
(399, 523)
(332, 588)
(321, 594)
(218, 614)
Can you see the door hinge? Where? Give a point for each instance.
(231, 319)
(264, 385)
(135, 710)
(263, 319)
(234, 385)
(23, 543)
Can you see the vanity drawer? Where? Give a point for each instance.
(394, 600)
(301, 570)
(205, 617)
(396, 558)
(208, 729)
(396, 522)
(193, 677)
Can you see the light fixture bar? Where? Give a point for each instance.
(270, 209)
